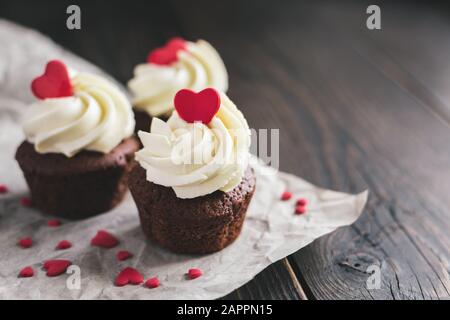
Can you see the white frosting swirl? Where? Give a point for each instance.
(97, 117)
(198, 67)
(197, 159)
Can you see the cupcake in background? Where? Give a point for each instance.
(179, 64)
(78, 149)
(193, 183)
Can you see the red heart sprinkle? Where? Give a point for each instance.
(128, 276)
(54, 83)
(302, 202)
(53, 223)
(201, 106)
(26, 202)
(3, 188)
(194, 273)
(286, 196)
(123, 255)
(56, 267)
(26, 272)
(26, 242)
(104, 239)
(300, 210)
(63, 244)
(152, 283)
(167, 54)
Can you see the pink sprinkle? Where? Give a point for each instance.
(152, 283)
(26, 242)
(194, 273)
(54, 223)
(26, 202)
(286, 196)
(123, 255)
(300, 210)
(302, 202)
(63, 244)
(3, 188)
(26, 272)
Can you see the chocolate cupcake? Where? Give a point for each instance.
(179, 64)
(193, 184)
(78, 150)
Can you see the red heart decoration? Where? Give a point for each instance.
(194, 273)
(128, 276)
(202, 106)
(56, 267)
(53, 223)
(152, 283)
(63, 244)
(26, 272)
(168, 54)
(26, 243)
(54, 83)
(104, 239)
(123, 255)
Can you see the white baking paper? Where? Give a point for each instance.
(271, 230)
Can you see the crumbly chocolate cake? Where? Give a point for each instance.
(199, 225)
(81, 186)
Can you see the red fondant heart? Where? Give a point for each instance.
(53, 223)
(152, 283)
(26, 272)
(56, 267)
(26, 243)
(54, 83)
(192, 106)
(128, 276)
(168, 54)
(194, 273)
(123, 255)
(63, 244)
(104, 239)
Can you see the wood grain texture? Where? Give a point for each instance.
(356, 109)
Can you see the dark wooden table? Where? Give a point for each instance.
(356, 109)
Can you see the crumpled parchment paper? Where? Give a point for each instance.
(271, 230)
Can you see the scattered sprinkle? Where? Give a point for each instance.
(152, 283)
(302, 202)
(104, 239)
(56, 267)
(26, 272)
(53, 223)
(63, 244)
(26, 242)
(286, 196)
(123, 255)
(128, 276)
(26, 202)
(194, 273)
(300, 210)
(3, 188)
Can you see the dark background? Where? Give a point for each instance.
(356, 109)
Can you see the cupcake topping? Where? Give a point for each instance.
(180, 64)
(197, 107)
(96, 117)
(196, 158)
(168, 54)
(54, 83)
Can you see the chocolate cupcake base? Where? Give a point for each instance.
(86, 184)
(195, 226)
